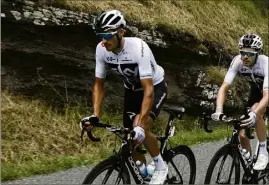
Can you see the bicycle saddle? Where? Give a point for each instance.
(174, 110)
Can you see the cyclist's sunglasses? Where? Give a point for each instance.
(249, 54)
(106, 36)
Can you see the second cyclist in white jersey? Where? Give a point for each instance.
(254, 66)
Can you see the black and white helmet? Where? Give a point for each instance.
(251, 41)
(109, 20)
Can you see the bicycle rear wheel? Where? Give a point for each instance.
(181, 164)
(107, 172)
(225, 172)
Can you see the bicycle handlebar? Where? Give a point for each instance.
(111, 128)
(114, 129)
(230, 120)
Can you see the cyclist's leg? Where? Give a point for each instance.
(132, 106)
(244, 140)
(254, 98)
(260, 126)
(260, 130)
(150, 142)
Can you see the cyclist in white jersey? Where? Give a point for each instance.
(145, 89)
(254, 66)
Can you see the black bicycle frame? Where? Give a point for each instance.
(234, 143)
(125, 154)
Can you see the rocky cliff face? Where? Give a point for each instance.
(48, 53)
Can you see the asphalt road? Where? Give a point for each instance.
(203, 154)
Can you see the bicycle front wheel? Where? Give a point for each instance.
(108, 172)
(224, 167)
(181, 165)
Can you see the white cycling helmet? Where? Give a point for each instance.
(250, 41)
(110, 20)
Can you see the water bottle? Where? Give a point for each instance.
(151, 168)
(142, 168)
(247, 156)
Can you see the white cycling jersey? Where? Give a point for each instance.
(133, 63)
(257, 75)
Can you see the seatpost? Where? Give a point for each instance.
(169, 124)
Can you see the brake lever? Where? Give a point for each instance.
(136, 148)
(90, 136)
(94, 139)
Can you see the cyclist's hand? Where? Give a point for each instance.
(139, 134)
(88, 121)
(217, 116)
(250, 120)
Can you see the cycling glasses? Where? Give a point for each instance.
(249, 54)
(106, 36)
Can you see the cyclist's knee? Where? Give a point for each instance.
(242, 135)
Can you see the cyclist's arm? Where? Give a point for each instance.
(229, 77)
(265, 98)
(98, 87)
(221, 97)
(97, 95)
(147, 101)
(145, 72)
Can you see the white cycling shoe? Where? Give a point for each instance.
(159, 176)
(261, 162)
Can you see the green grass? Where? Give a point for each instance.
(12, 171)
(215, 74)
(37, 139)
(218, 22)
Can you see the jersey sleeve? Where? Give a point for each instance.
(266, 81)
(100, 67)
(144, 63)
(233, 70)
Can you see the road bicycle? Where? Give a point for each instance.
(117, 168)
(224, 167)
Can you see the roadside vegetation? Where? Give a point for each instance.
(37, 139)
(219, 22)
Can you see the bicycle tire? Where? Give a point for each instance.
(187, 152)
(109, 163)
(226, 150)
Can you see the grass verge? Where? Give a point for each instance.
(37, 139)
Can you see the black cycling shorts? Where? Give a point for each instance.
(133, 102)
(255, 95)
